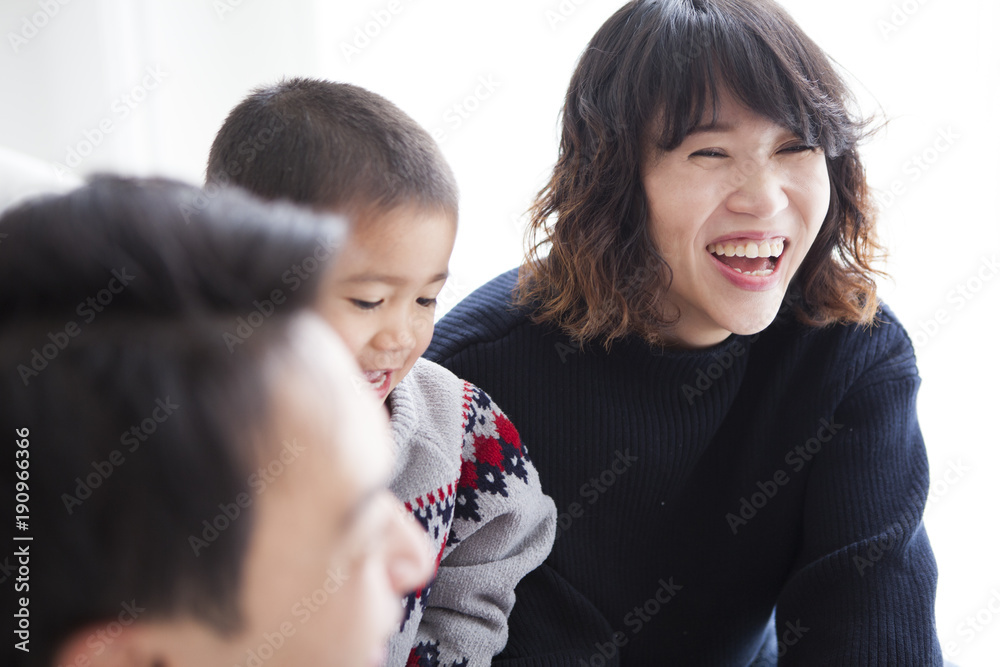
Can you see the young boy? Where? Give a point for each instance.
(183, 503)
(461, 467)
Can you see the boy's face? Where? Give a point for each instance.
(381, 293)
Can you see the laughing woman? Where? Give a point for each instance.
(716, 399)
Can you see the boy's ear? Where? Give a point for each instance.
(92, 647)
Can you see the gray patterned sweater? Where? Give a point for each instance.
(463, 472)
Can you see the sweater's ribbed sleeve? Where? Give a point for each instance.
(862, 590)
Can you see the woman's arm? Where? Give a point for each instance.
(862, 589)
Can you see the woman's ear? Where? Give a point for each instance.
(94, 647)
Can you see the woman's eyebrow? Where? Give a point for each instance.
(712, 127)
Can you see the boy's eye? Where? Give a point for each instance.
(367, 305)
(427, 302)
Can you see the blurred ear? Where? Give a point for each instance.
(94, 647)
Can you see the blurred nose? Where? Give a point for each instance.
(410, 562)
(757, 191)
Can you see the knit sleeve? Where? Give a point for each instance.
(861, 591)
(504, 527)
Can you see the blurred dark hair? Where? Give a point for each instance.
(187, 266)
(642, 84)
(333, 146)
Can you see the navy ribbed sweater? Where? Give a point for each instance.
(699, 490)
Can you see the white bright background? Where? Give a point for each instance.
(930, 66)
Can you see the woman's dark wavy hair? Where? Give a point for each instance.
(650, 73)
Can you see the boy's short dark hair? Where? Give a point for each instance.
(330, 145)
(141, 424)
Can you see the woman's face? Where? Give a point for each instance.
(733, 209)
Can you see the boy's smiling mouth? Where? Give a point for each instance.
(380, 381)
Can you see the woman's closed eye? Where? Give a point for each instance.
(709, 152)
(427, 302)
(798, 148)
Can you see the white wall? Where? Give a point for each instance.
(932, 65)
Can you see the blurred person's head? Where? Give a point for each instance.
(206, 486)
(340, 148)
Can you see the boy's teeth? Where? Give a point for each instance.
(772, 248)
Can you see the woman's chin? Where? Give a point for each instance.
(751, 322)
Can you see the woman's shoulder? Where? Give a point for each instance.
(488, 314)
(853, 354)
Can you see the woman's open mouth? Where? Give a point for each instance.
(751, 258)
(750, 265)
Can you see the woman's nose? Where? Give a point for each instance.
(757, 191)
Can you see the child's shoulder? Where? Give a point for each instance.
(441, 395)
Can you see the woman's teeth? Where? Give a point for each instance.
(772, 248)
(764, 272)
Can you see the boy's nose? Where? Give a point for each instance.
(398, 334)
(395, 340)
